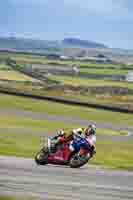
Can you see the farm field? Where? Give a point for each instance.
(76, 81)
(36, 59)
(15, 76)
(104, 71)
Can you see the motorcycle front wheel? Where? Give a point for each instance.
(41, 158)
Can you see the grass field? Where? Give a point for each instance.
(4, 66)
(76, 81)
(124, 101)
(15, 76)
(27, 58)
(65, 110)
(104, 71)
(118, 154)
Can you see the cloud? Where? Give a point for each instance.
(100, 20)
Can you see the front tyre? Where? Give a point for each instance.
(78, 161)
(41, 158)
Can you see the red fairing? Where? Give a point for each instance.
(61, 156)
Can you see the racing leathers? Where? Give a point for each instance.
(87, 141)
(65, 137)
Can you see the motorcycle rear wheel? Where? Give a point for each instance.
(77, 161)
(41, 158)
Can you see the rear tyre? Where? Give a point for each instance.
(78, 161)
(41, 158)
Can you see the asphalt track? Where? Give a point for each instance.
(22, 177)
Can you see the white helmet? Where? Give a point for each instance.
(78, 131)
(61, 132)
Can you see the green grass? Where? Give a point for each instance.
(109, 132)
(15, 76)
(103, 98)
(4, 66)
(19, 143)
(85, 64)
(65, 110)
(76, 81)
(23, 57)
(122, 101)
(104, 71)
(117, 154)
(12, 121)
(29, 58)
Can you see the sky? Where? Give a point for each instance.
(105, 21)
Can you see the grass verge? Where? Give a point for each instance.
(65, 110)
(114, 154)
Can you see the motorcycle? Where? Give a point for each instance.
(63, 156)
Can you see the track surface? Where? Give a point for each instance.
(21, 177)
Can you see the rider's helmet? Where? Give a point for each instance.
(78, 131)
(91, 130)
(61, 132)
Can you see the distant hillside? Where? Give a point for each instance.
(69, 47)
(43, 45)
(33, 45)
(74, 42)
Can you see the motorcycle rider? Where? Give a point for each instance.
(74, 138)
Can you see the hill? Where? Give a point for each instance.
(75, 42)
(24, 44)
(31, 45)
